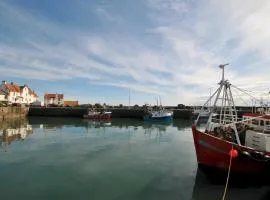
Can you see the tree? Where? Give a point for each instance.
(121, 106)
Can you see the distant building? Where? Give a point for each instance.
(37, 103)
(71, 103)
(53, 99)
(18, 94)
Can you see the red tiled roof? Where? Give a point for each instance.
(71, 103)
(49, 96)
(32, 92)
(13, 87)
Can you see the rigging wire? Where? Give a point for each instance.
(239, 97)
(242, 90)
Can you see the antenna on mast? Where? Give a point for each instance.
(222, 67)
(129, 97)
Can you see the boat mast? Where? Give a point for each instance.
(129, 97)
(227, 110)
(210, 103)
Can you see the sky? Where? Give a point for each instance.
(97, 51)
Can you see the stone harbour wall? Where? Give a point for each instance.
(12, 112)
(116, 112)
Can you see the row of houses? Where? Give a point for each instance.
(12, 93)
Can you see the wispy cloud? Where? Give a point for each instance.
(104, 14)
(174, 52)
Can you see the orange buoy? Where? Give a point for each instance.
(233, 153)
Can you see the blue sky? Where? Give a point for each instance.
(96, 50)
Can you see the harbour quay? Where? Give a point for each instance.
(178, 113)
(116, 112)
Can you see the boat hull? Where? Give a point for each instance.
(213, 152)
(162, 119)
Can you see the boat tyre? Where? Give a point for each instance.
(255, 155)
(244, 156)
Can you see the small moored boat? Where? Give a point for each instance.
(203, 112)
(95, 115)
(159, 115)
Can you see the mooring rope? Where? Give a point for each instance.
(228, 176)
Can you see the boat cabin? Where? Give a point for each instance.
(257, 121)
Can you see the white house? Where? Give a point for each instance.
(28, 96)
(18, 94)
(53, 99)
(3, 96)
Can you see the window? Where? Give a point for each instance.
(256, 122)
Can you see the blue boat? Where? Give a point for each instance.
(160, 116)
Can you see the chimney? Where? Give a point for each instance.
(11, 83)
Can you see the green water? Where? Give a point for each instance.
(63, 158)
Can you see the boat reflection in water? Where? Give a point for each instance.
(19, 129)
(157, 132)
(152, 131)
(123, 123)
(97, 124)
(209, 185)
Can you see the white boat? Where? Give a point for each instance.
(92, 114)
(201, 111)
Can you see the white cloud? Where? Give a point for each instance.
(191, 39)
(102, 12)
(169, 5)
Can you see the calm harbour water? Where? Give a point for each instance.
(125, 159)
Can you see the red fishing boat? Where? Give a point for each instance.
(95, 115)
(243, 145)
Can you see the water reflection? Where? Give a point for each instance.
(153, 132)
(123, 123)
(211, 186)
(14, 130)
(149, 161)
